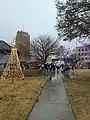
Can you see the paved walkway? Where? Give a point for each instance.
(53, 103)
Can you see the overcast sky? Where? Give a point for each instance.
(37, 16)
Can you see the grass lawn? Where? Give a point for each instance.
(78, 90)
(17, 99)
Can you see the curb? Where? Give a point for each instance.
(36, 99)
(69, 102)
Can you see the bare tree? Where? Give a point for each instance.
(42, 46)
(62, 52)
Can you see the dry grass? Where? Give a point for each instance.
(78, 90)
(17, 99)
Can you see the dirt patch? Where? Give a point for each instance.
(17, 99)
(78, 90)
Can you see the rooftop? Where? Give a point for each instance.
(25, 33)
(4, 59)
(4, 45)
(82, 46)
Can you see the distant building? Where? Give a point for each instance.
(51, 58)
(5, 50)
(83, 56)
(4, 47)
(23, 44)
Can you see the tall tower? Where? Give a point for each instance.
(23, 44)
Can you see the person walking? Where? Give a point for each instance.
(57, 67)
(46, 66)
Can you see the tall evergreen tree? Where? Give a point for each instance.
(73, 19)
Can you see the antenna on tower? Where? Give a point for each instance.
(23, 27)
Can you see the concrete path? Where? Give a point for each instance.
(53, 103)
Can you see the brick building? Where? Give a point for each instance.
(23, 44)
(83, 56)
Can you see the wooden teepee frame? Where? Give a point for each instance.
(13, 69)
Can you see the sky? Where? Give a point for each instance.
(33, 16)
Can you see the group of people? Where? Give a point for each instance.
(51, 67)
(66, 69)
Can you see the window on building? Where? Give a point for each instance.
(82, 58)
(85, 49)
(85, 54)
(82, 49)
(79, 63)
(79, 50)
(86, 58)
(79, 54)
(82, 54)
